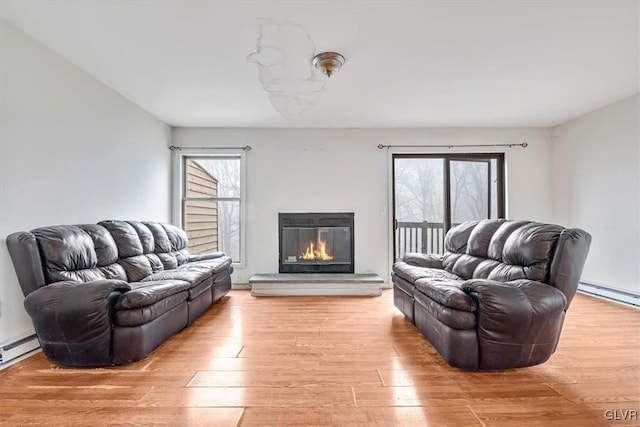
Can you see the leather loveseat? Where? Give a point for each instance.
(109, 294)
(497, 297)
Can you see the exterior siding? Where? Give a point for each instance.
(200, 216)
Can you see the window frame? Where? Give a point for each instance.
(447, 158)
(178, 190)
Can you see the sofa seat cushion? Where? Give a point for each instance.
(455, 319)
(447, 293)
(400, 283)
(411, 273)
(215, 265)
(143, 294)
(145, 314)
(199, 280)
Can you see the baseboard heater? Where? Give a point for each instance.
(610, 294)
(13, 350)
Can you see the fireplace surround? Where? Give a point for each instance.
(316, 242)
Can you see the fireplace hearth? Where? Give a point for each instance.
(316, 242)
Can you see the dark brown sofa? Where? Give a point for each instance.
(110, 293)
(497, 297)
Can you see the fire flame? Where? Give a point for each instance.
(311, 253)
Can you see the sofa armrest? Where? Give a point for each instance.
(423, 260)
(74, 320)
(205, 257)
(518, 322)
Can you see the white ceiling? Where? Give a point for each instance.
(408, 63)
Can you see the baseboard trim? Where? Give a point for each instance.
(17, 350)
(618, 296)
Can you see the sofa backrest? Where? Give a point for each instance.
(64, 252)
(108, 250)
(505, 250)
(145, 248)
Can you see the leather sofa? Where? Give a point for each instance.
(110, 293)
(496, 299)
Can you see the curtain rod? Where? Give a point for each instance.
(523, 145)
(174, 148)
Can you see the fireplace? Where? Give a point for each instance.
(315, 242)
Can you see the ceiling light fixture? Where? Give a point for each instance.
(328, 62)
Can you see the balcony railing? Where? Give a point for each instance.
(424, 237)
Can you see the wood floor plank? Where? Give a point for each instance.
(309, 351)
(99, 416)
(436, 395)
(600, 391)
(359, 417)
(285, 378)
(327, 361)
(558, 411)
(248, 396)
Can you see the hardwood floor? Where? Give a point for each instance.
(341, 361)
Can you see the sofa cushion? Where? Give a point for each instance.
(177, 237)
(455, 319)
(484, 268)
(193, 277)
(399, 282)
(447, 293)
(125, 236)
(501, 250)
(170, 244)
(411, 273)
(144, 314)
(423, 260)
(161, 240)
(168, 260)
(198, 280)
(465, 265)
(147, 293)
(103, 244)
(200, 288)
(67, 248)
(205, 256)
(481, 236)
(531, 246)
(144, 235)
(137, 267)
(456, 239)
(135, 244)
(69, 253)
(216, 265)
(500, 237)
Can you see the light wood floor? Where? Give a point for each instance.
(340, 361)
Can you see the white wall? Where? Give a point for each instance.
(596, 178)
(71, 151)
(343, 170)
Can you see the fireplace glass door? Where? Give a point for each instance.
(316, 243)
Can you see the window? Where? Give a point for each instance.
(212, 204)
(433, 193)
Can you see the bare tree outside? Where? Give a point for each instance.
(419, 186)
(469, 190)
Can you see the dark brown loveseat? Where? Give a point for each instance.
(497, 297)
(110, 293)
